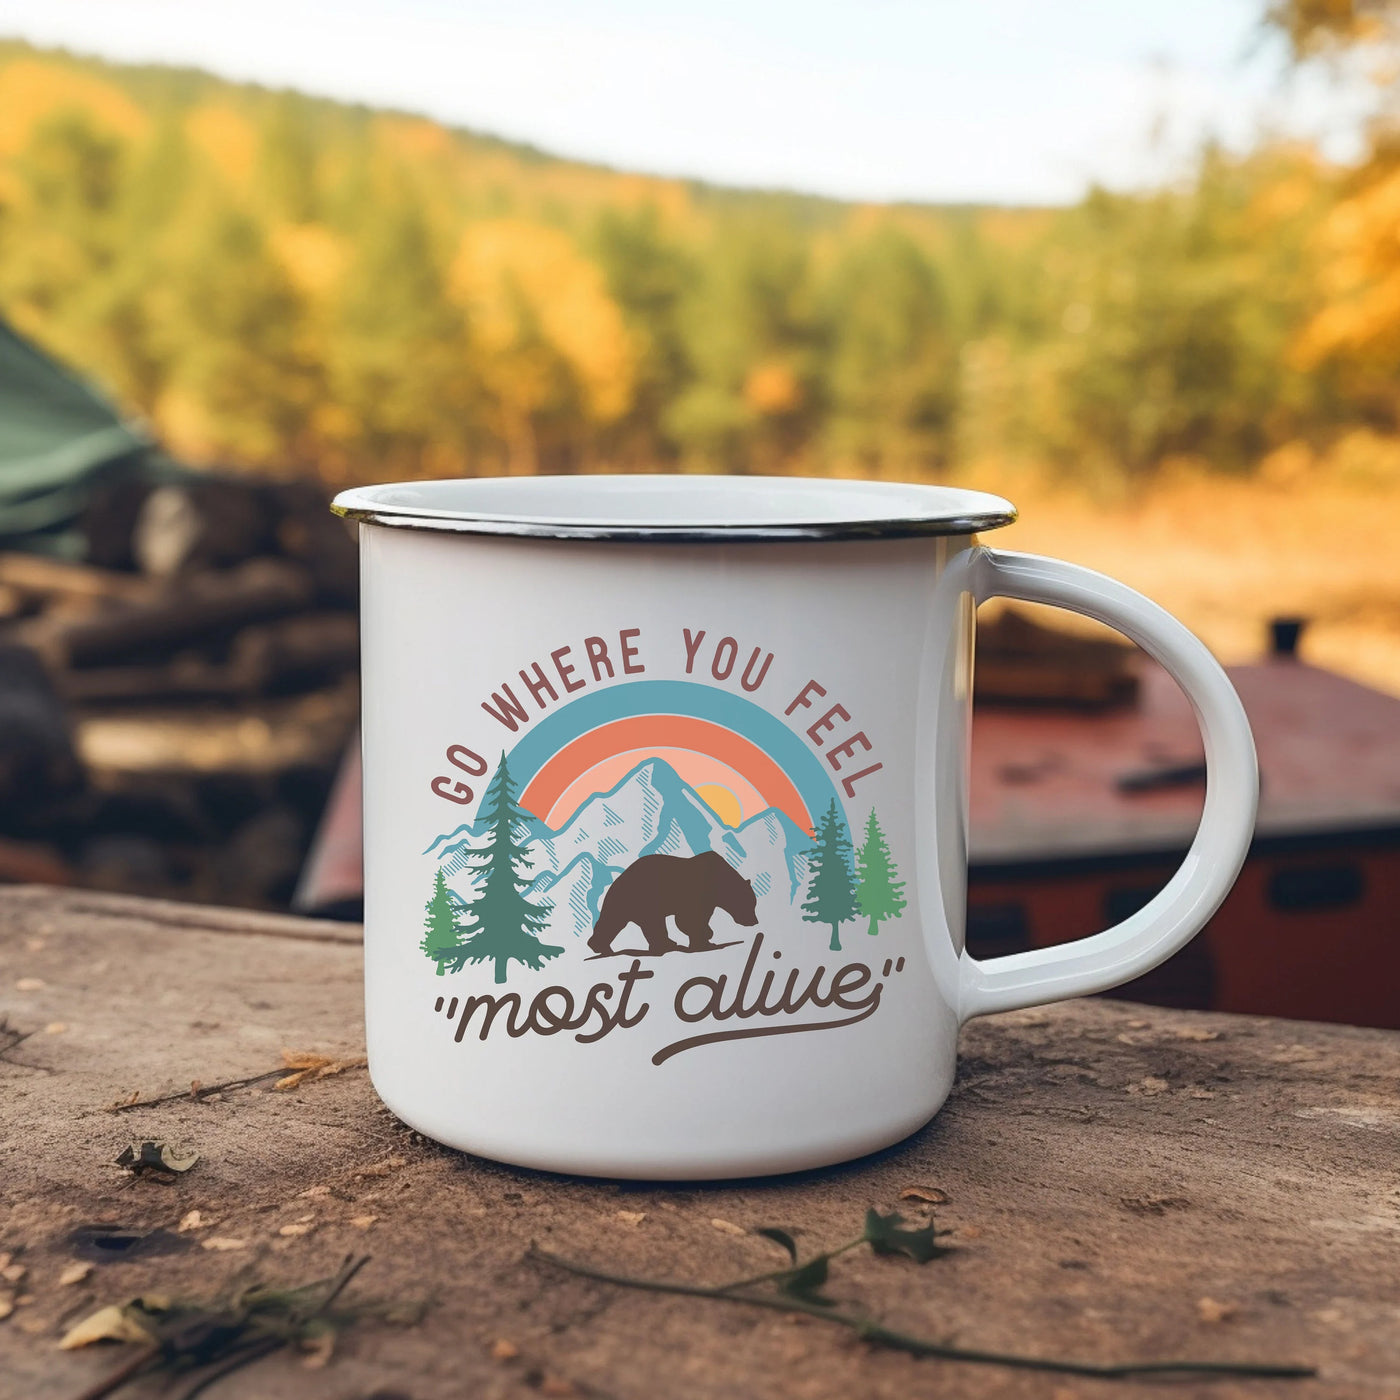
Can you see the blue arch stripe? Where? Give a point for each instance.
(807, 773)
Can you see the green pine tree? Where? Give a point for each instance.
(501, 924)
(831, 887)
(442, 935)
(881, 893)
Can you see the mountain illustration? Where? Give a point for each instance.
(652, 811)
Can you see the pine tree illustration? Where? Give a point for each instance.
(501, 924)
(881, 892)
(831, 889)
(442, 935)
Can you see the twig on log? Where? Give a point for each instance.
(923, 1346)
(197, 1091)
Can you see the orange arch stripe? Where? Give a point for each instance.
(664, 731)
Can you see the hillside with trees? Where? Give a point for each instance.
(298, 285)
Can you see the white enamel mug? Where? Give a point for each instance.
(665, 786)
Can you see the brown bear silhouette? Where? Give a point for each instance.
(690, 887)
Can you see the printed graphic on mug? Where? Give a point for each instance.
(648, 818)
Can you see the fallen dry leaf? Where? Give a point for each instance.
(156, 1156)
(931, 1195)
(970, 1232)
(109, 1324)
(728, 1226)
(632, 1217)
(504, 1350)
(30, 984)
(1209, 1310)
(7, 1306)
(1195, 1033)
(192, 1220)
(363, 1222)
(223, 1242)
(305, 1064)
(74, 1273)
(12, 1273)
(55, 1028)
(390, 1164)
(1153, 1205)
(299, 1227)
(1149, 1084)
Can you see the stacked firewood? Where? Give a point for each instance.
(207, 610)
(1022, 662)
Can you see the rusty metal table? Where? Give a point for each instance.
(1122, 1182)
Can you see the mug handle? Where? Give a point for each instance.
(1178, 912)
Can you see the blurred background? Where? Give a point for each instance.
(1136, 267)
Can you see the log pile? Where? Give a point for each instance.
(1024, 663)
(174, 706)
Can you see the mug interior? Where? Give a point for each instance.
(688, 507)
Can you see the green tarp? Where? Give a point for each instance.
(59, 440)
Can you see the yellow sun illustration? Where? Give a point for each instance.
(721, 802)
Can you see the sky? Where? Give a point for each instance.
(1007, 101)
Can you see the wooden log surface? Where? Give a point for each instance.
(1124, 1183)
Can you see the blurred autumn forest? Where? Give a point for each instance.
(295, 285)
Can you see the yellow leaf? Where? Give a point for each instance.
(109, 1324)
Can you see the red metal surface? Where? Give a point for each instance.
(1060, 851)
(333, 880)
(1337, 964)
(1044, 783)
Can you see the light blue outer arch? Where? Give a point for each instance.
(805, 770)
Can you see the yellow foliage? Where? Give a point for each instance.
(772, 388)
(32, 90)
(413, 136)
(521, 284)
(227, 138)
(314, 257)
(1360, 275)
(185, 425)
(1285, 198)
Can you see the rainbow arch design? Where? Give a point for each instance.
(737, 756)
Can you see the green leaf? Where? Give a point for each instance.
(780, 1237)
(884, 1235)
(805, 1282)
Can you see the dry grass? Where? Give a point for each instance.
(1225, 555)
